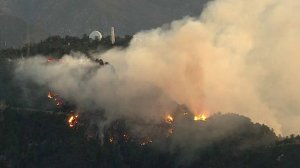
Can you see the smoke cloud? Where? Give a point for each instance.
(238, 56)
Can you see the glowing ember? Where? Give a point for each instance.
(50, 95)
(59, 102)
(73, 120)
(146, 142)
(111, 140)
(50, 60)
(201, 117)
(169, 119)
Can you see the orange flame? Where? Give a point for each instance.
(201, 117)
(59, 102)
(111, 140)
(73, 120)
(169, 119)
(50, 95)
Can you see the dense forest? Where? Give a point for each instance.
(56, 46)
(34, 134)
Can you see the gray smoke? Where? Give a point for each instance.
(238, 56)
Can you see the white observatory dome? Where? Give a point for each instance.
(95, 35)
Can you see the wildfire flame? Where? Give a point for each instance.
(200, 117)
(111, 140)
(169, 119)
(50, 95)
(50, 60)
(58, 101)
(73, 120)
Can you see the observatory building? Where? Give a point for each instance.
(95, 35)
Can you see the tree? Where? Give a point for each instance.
(3, 107)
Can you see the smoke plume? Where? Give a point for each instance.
(238, 56)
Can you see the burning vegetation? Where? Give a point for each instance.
(56, 99)
(169, 119)
(155, 131)
(73, 120)
(164, 130)
(52, 60)
(200, 117)
(69, 110)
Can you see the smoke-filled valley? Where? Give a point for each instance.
(222, 86)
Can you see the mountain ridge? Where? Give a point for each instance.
(77, 17)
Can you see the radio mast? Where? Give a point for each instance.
(113, 35)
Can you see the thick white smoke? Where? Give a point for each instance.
(238, 56)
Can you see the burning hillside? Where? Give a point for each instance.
(160, 131)
(229, 59)
(159, 96)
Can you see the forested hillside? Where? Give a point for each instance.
(34, 132)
